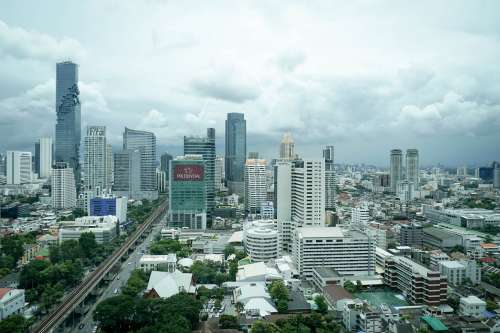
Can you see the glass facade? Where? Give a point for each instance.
(188, 204)
(68, 125)
(236, 151)
(145, 142)
(205, 146)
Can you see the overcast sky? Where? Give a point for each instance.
(365, 76)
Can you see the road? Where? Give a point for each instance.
(54, 318)
(120, 280)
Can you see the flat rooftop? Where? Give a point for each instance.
(321, 232)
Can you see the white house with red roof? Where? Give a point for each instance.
(11, 302)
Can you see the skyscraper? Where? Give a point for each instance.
(396, 169)
(43, 157)
(18, 167)
(300, 197)
(328, 155)
(165, 160)
(236, 151)
(205, 146)
(287, 147)
(110, 166)
(219, 173)
(496, 175)
(412, 167)
(68, 128)
(63, 186)
(145, 142)
(95, 159)
(127, 174)
(187, 191)
(255, 185)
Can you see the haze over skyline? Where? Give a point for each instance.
(365, 78)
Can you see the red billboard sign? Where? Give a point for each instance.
(188, 172)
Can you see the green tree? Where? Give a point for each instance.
(13, 246)
(228, 250)
(115, 314)
(321, 304)
(88, 244)
(135, 284)
(14, 324)
(227, 321)
(31, 276)
(279, 293)
(350, 287)
(78, 212)
(51, 296)
(264, 327)
(491, 305)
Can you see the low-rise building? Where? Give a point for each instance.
(360, 316)
(420, 284)
(457, 272)
(166, 284)
(472, 306)
(151, 262)
(348, 251)
(105, 228)
(11, 302)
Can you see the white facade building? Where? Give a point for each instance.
(287, 147)
(11, 302)
(45, 156)
(472, 306)
(457, 271)
(95, 159)
(150, 262)
(105, 228)
(18, 169)
(255, 184)
(360, 215)
(261, 241)
(63, 186)
(347, 251)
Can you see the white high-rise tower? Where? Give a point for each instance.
(396, 169)
(63, 186)
(18, 169)
(412, 167)
(287, 147)
(255, 184)
(95, 159)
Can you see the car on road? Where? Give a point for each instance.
(82, 325)
(94, 330)
(118, 278)
(115, 291)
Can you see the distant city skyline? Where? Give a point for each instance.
(410, 82)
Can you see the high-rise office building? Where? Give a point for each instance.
(255, 185)
(396, 169)
(287, 147)
(205, 146)
(219, 173)
(95, 159)
(63, 186)
(300, 193)
(68, 126)
(145, 142)
(110, 166)
(18, 167)
(496, 176)
(236, 152)
(412, 167)
(165, 160)
(43, 157)
(127, 174)
(187, 192)
(3, 164)
(328, 155)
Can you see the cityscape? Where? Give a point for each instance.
(252, 198)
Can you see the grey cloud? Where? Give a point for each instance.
(226, 83)
(25, 44)
(289, 60)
